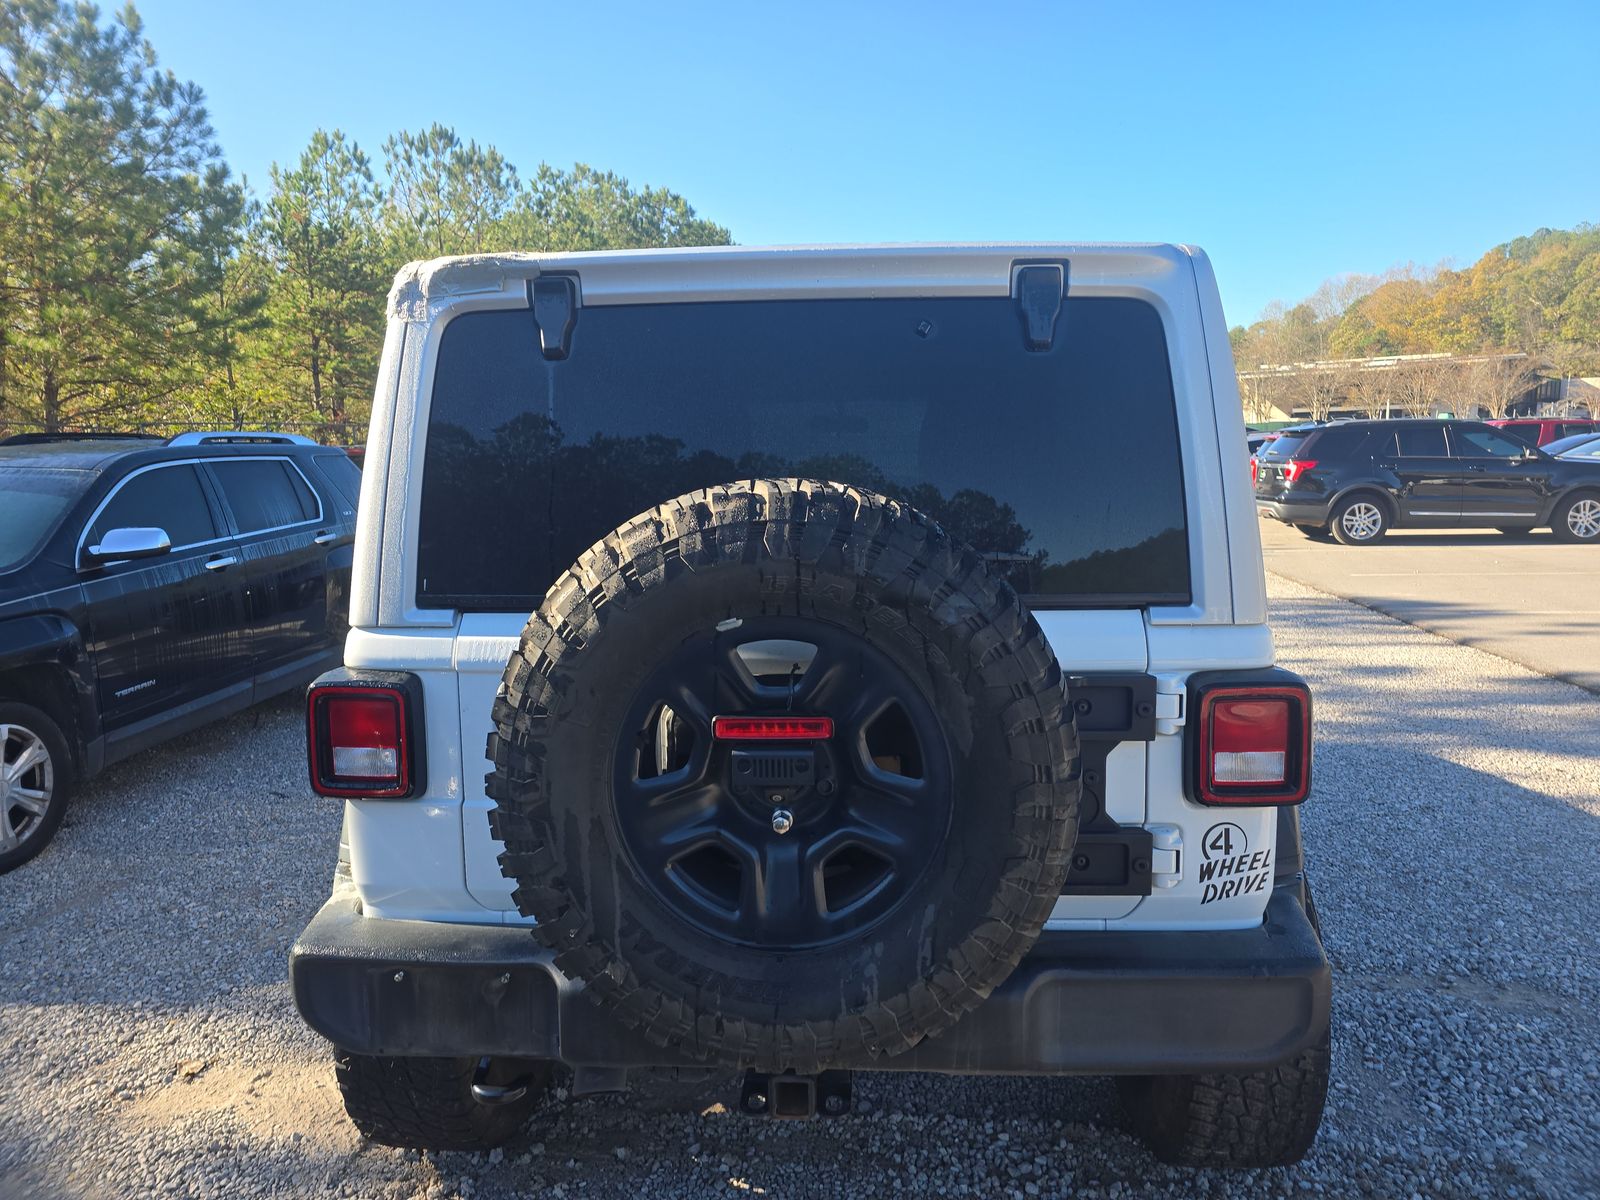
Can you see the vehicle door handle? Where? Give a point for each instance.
(221, 564)
(1475, 467)
(325, 539)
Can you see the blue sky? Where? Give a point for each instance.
(1292, 141)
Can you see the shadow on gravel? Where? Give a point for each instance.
(1452, 837)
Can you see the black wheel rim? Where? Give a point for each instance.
(870, 808)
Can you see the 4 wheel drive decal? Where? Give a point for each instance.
(1229, 868)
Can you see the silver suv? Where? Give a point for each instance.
(897, 694)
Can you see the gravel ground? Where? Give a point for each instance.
(148, 1045)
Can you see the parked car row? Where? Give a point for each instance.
(1542, 431)
(1355, 480)
(148, 587)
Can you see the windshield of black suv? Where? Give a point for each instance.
(1028, 456)
(33, 500)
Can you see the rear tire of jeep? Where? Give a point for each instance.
(427, 1103)
(27, 732)
(776, 970)
(1263, 1119)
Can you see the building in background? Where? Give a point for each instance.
(1412, 385)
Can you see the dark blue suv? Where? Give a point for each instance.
(150, 586)
(1355, 480)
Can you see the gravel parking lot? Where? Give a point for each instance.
(148, 1045)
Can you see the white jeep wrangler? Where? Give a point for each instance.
(897, 695)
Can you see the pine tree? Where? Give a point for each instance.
(114, 208)
(319, 232)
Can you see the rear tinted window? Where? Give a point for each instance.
(1338, 443)
(265, 493)
(1285, 445)
(342, 474)
(1422, 441)
(1063, 466)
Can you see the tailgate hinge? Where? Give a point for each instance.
(1166, 855)
(1172, 693)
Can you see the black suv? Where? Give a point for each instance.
(1358, 479)
(150, 586)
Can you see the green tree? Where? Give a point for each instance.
(318, 232)
(586, 209)
(115, 210)
(446, 196)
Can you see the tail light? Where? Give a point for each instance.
(361, 735)
(1295, 468)
(772, 729)
(1253, 743)
(1255, 468)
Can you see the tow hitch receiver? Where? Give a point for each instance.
(793, 1097)
(493, 1095)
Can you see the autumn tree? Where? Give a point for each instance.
(116, 213)
(1372, 391)
(1496, 382)
(1417, 387)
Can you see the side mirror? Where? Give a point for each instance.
(118, 545)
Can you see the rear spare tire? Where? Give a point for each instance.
(784, 902)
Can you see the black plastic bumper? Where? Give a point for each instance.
(1315, 513)
(1080, 1003)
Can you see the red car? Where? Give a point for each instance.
(1538, 431)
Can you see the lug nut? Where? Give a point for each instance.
(833, 1104)
(755, 1102)
(782, 821)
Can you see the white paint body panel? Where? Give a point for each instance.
(434, 859)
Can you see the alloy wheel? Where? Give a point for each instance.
(783, 845)
(1362, 521)
(27, 784)
(1583, 519)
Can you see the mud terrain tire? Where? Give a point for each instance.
(890, 584)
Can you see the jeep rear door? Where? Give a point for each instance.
(938, 400)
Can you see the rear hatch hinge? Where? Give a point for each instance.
(1039, 289)
(554, 300)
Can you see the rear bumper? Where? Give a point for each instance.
(1315, 513)
(1095, 1003)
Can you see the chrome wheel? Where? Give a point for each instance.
(1362, 521)
(1583, 519)
(27, 784)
